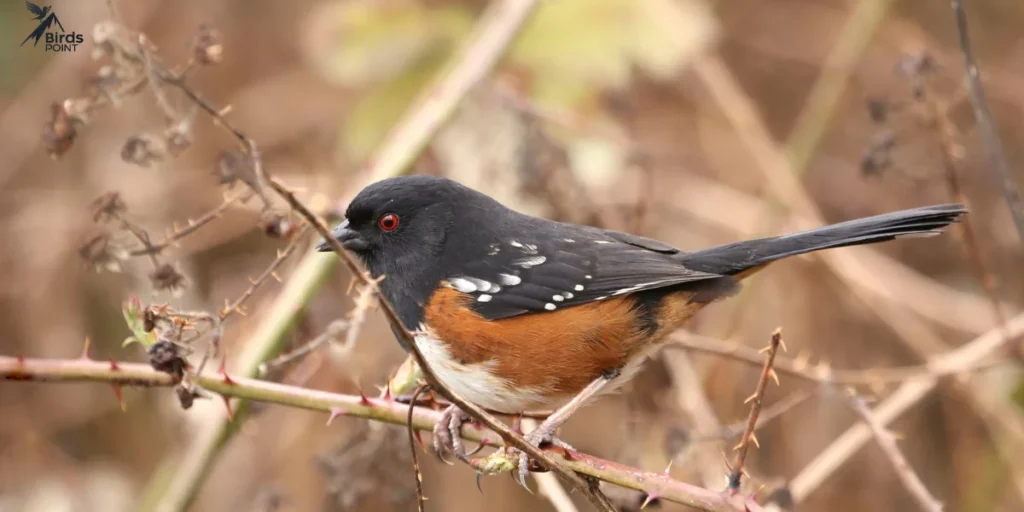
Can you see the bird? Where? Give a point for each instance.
(516, 313)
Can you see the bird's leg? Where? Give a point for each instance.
(447, 437)
(545, 432)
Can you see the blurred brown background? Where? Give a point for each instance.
(603, 111)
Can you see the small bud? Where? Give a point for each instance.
(276, 225)
(208, 46)
(164, 357)
(60, 131)
(186, 396)
(143, 150)
(107, 206)
(102, 254)
(231, 166)
(178, 137)
(167, 278)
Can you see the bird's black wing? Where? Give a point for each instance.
(35, 9)
(547, 273)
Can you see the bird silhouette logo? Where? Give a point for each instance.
(46, 19)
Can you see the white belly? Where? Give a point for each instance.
(477, 383)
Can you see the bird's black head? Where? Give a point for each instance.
(398, 227)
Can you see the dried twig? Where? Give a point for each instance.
(193, 226)
(993, 145)
(911, 392)
(270, 272)
(390, 411)
(417, 473)
(823, 373)
(331, 333)
(767, 373)
(887, 441)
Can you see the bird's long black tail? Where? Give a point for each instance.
(734, 258)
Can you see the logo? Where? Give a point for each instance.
(48, 25)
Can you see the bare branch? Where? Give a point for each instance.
(887, 442)
(993, 145)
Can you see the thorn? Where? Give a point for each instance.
(647, 501)
(570, 456)
(225, 111)
(120, 397)
(227, 407)
(478, 486)
(782, 345)
(387, 393)
(765, 349)
(351, 284)
(335, 412)
(224, 371)
(750, 398)
(113, 365)
(251, 281)
(668, 468)
(753, 438)
(275, 276)
(362, 398)
(419, 439)
(239, 310)
(85, 349)
(774, 376)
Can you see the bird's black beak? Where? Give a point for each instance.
(348, 238)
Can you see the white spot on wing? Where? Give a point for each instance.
(588, 276)
(530, 262)
(509, 279)
(602, 242)
(557, 298)
(569, 240)
(568, 295)
(484, 297)
(549, 306)
(516, 244)
(462, 285)
(481, 284)
(579, 287)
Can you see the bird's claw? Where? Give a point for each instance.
(447, 438)
(537, 438)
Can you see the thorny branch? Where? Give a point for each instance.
(378, 409)
(767, 373)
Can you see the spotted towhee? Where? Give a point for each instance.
(516, 313)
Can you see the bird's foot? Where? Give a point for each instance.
(447, 438)
(541, 436)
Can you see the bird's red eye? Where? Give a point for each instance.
(388, 222)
